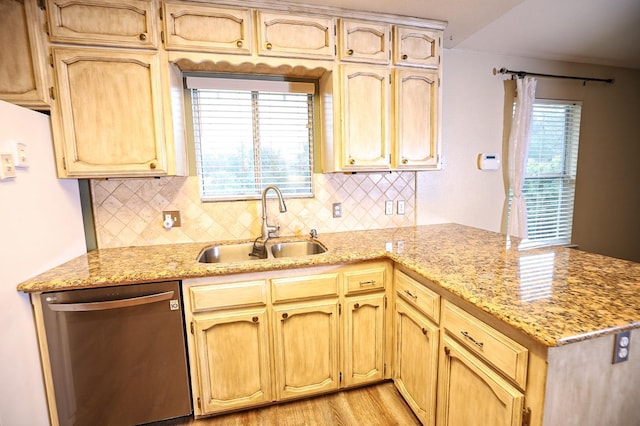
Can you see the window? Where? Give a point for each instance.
(250, 134)
(549, 186)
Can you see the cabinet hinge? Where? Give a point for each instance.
(160, 14)
(162, 36)
(52, 93)
(341, 377)
(384, 369)
(385, 306)
(199, 403)
(526, 416)
(192, 328)
(339, 308)
(41, 4)
(64, 163)
(46, 27)
(51, 60)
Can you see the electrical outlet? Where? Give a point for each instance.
(621, 347)
(337, 209)
(400, 207)
(175, 217)
(7, 167)
(388, 207)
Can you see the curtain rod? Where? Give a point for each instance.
(524, 73)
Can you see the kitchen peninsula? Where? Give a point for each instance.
(562, 305)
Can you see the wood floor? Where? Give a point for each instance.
(379, 404)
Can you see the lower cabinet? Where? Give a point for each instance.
(471, 393)
(306, 348)
(416, 356)
(233, 359)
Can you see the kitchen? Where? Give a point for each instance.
(472, 123)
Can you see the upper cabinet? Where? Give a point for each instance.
(296, 35)
(23, 73)
(107, 115)
(201, 28)
(364, 42)
(126, 23)
(418, 47)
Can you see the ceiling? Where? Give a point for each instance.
(602, 32)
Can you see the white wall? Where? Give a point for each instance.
(607, 197)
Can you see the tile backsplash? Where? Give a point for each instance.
(128, 212)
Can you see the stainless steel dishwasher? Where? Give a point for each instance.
(117, 354)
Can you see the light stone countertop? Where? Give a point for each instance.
(554, 295)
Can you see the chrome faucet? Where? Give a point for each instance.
(267, 229)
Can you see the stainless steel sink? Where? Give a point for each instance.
(227, 253)
(297, 248)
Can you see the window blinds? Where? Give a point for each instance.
(249, 139)
(549, 186)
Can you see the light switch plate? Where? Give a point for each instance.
(388, 207)
(7, 168)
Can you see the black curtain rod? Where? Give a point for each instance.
(524, 73)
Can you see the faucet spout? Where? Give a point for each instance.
(266, 228)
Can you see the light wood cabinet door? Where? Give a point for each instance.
(233, 359)
(189, 26)
(107, 116)
(296, 36)
(364, 339)
(365, 107)
(416, 109)
(364, 42)
(23, 77)
(415, 363)
(306, 348)
(126, 23)
(418, 47)
(471, 393)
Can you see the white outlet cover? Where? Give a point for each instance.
(7, 168)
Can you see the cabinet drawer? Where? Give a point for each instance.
(508, 356)
(220, 296)
(367, 279)
(323, 285)
(418, 295)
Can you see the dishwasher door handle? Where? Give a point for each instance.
(111, 304)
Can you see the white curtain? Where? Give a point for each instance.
(518, 154)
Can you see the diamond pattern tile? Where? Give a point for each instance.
(128, 212)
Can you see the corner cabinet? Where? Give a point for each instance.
(108, 113)
(23, 70)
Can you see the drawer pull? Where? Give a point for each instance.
(411, 295)
(370, 282)
(471, 339)
(254, 319)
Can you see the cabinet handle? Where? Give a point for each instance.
(350, 52)
(143, 36)
(356, 306)
(239, 43)
(285, 315)
(254, 319)
(269, 46)
(411, 295)
(404, 57)
(370, 282)
(152, 166)
(471, 339)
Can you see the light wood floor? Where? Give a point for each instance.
(379, 404)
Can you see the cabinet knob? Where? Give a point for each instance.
(239, 43)
(152, 166)
(285, 315)
(405, 161)
(404, 57)
(143, 36)
(447, 351)
(254, 319)
(356, 306)
(350, 52)
(424, 331)
(352, 161)
(269, 46)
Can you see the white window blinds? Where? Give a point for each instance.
(549, 186)
(258, 134)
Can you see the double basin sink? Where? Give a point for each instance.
(229, 253)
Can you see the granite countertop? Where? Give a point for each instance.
(554, 295)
